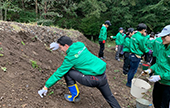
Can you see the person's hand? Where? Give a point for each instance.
(150, 52)
(154, 78)
(43, 91)
(148, 71)
(54, 46)
(104, 41)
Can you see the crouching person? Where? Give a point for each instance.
(88, 70)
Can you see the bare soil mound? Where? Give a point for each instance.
(26, 63)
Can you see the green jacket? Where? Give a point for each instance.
(126, 44)
(162, 65)
(103, 33)
(155, 46)
(79, 57)
(147, 37)
(119, 38)
(137, 44)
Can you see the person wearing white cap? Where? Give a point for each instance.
(161, 70)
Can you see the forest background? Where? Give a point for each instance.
(87, 16)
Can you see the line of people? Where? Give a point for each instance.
(80, 65)
(156, 50)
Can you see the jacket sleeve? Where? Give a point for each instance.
(143, 46)
(153, 67)
(117, 39)
(114, 37)
(166, 76)
(60, 72)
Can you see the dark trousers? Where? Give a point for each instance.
(101, 53)
(161, 95)
(126, 64)
(100, 82)
(134, 63)
(118, 52)
(153, 61)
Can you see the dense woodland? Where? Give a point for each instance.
(88, 16)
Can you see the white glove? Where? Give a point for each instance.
(111, 36)
(54, 46)
(42, 92)
(154, 78)
(148, 71)
(116, 49)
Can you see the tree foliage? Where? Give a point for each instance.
(88, 16)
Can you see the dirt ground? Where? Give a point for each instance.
(29, 63)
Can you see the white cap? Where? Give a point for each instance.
(165, 31)
(54, 46)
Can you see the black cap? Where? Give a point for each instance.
(130, 30)
(108, 23)
(65, 40)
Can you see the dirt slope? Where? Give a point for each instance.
(25, 46)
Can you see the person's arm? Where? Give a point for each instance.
(60, 72)
(113, 37)
(163, 75)
(142, 45)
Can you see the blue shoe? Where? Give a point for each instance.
(75, 94)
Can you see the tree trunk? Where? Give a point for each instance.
(5, 14)
(23, 6)
(1, 14)
(45, 9)
(36, 8)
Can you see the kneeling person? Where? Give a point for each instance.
(88, 70)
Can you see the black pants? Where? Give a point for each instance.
(126, 64)
(101, 53)
(100, 82)
(161, 95)
(118, 52)
(153, 61)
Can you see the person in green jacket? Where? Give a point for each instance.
(119, 43)
(89, 70)
(161, 70)
(126, 50)
(103, 37)
(137, 48)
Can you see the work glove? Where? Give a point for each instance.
(104, 41)
(43, 91)
(111, 36)
(154, 78)
(116, 49)
(54, 46)
(150, 52)
(148, 71)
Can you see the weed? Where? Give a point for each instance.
(116, 70)
(1, 55)
(22, 43)
(1, 49)
(52, 92)
(114, 77)
(34, 64)
(4, 69)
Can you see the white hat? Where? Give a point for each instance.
(165, 31)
